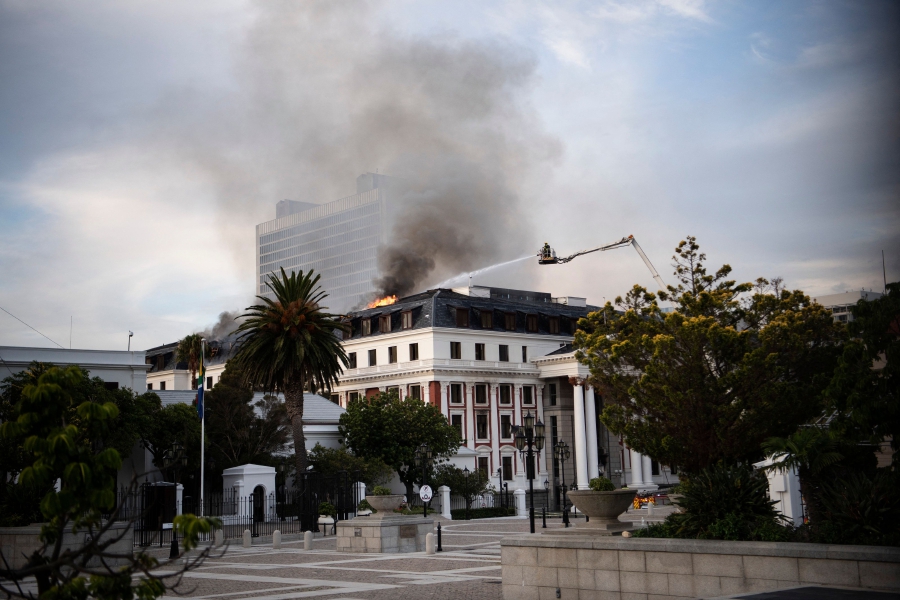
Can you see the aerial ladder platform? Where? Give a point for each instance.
(547, 256)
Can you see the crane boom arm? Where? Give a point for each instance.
(625, 241)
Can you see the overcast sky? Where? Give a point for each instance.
(141, 142)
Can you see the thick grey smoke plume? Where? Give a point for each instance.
(227, 323)
(324, 93)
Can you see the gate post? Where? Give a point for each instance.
(444, 491)
(519, 496)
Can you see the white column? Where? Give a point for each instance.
(647, 468)
(494, 399)
(470, 415)
(581, 467)
(444, 491)
(590, 417)
(521, 508)
(637, 478)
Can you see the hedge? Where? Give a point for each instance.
(459, 514)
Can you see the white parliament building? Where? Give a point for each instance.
(486, 357)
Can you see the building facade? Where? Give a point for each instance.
(486, 357)
(117, 368)
(840, 303)
(339, 240)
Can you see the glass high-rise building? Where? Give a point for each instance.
(338, 240)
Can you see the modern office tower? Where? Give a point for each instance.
(338, 240)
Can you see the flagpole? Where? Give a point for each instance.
(202, 431)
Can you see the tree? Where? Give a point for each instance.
(469, 487)
(189, 351)
(712, 379)
(331, 461)
(239, 431)
(168, 425)
(390, 429)
(62, 436)
(290, 343)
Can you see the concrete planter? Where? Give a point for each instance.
(385, 504)
(602, 506)
(19, 543)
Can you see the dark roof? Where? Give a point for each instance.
(437, 308)
(162, 358)
(565, 349)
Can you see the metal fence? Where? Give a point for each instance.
(153, 507)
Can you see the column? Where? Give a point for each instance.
(590, 417)
(494, 399)
(647, 471)
(637, 478)
(470, 414)
(581, 467)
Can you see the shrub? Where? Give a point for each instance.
(858, 509)
(459, 514)
(380, 490)
(364, 505)
(601, 484)
(327, 508)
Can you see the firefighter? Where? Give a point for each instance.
(545, 251)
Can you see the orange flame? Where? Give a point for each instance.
(387, 300)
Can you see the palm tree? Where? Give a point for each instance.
(290, 343)
(189, 351)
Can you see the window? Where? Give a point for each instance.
(525, 354)
(406, 321)
(367, 326)
(507, 468)
(479, 351)
(455, 350)
(456, 393)
(506, 394)
(506, 426)
(393, 390)
(413, 352)
(162, 385)
(487, 319)
(351, 360)
(392, 354)
(194, 383)
(527, 395)
(504, 353)
(654, 467)
(481, 426)
(372, 358)
(531, 323)
(415, 391)
(552, 394)
(481, 394)
(462, 317)
(483, 465)
(149, 386)
(353, 397)
(336, 398)
(209, 383)
(384, 324)
(509, 320)
(554, 324)
(456, 422)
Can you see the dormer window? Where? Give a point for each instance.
(554, 325)
(462, 317)
(531, 324)
(487, 319)
(384, 324)
(509, 320)
(406, 320)
(367, 326)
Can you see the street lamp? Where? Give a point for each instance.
(561, 453)
(503, 487)
(423, 459)
(171, 458)
(529, 441)
(466, 493)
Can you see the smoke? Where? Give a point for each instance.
(325, 91)
(228, 322)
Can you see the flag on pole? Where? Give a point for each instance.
(201, 378)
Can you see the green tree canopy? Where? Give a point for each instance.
(468, 486)
(290, 343)
(390, 429)
(730, 366)
(166, 426)
(330, 461)
(239, 431)
(62, 436)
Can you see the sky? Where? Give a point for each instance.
(142, 142)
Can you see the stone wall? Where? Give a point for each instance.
(387, 535)
(18, 543)
(617, 568)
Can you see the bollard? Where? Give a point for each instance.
(544, 517)
(276, 540)
(246, 538)
(439, 549)
(218, 538)
(429, 543)
(307, 540)
(173, 550)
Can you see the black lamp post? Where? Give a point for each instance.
(466, 492)
(529, 441)
(561, 453)
(504, 489)
(423, 459)
(171, 460)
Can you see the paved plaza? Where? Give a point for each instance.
(468, 568)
